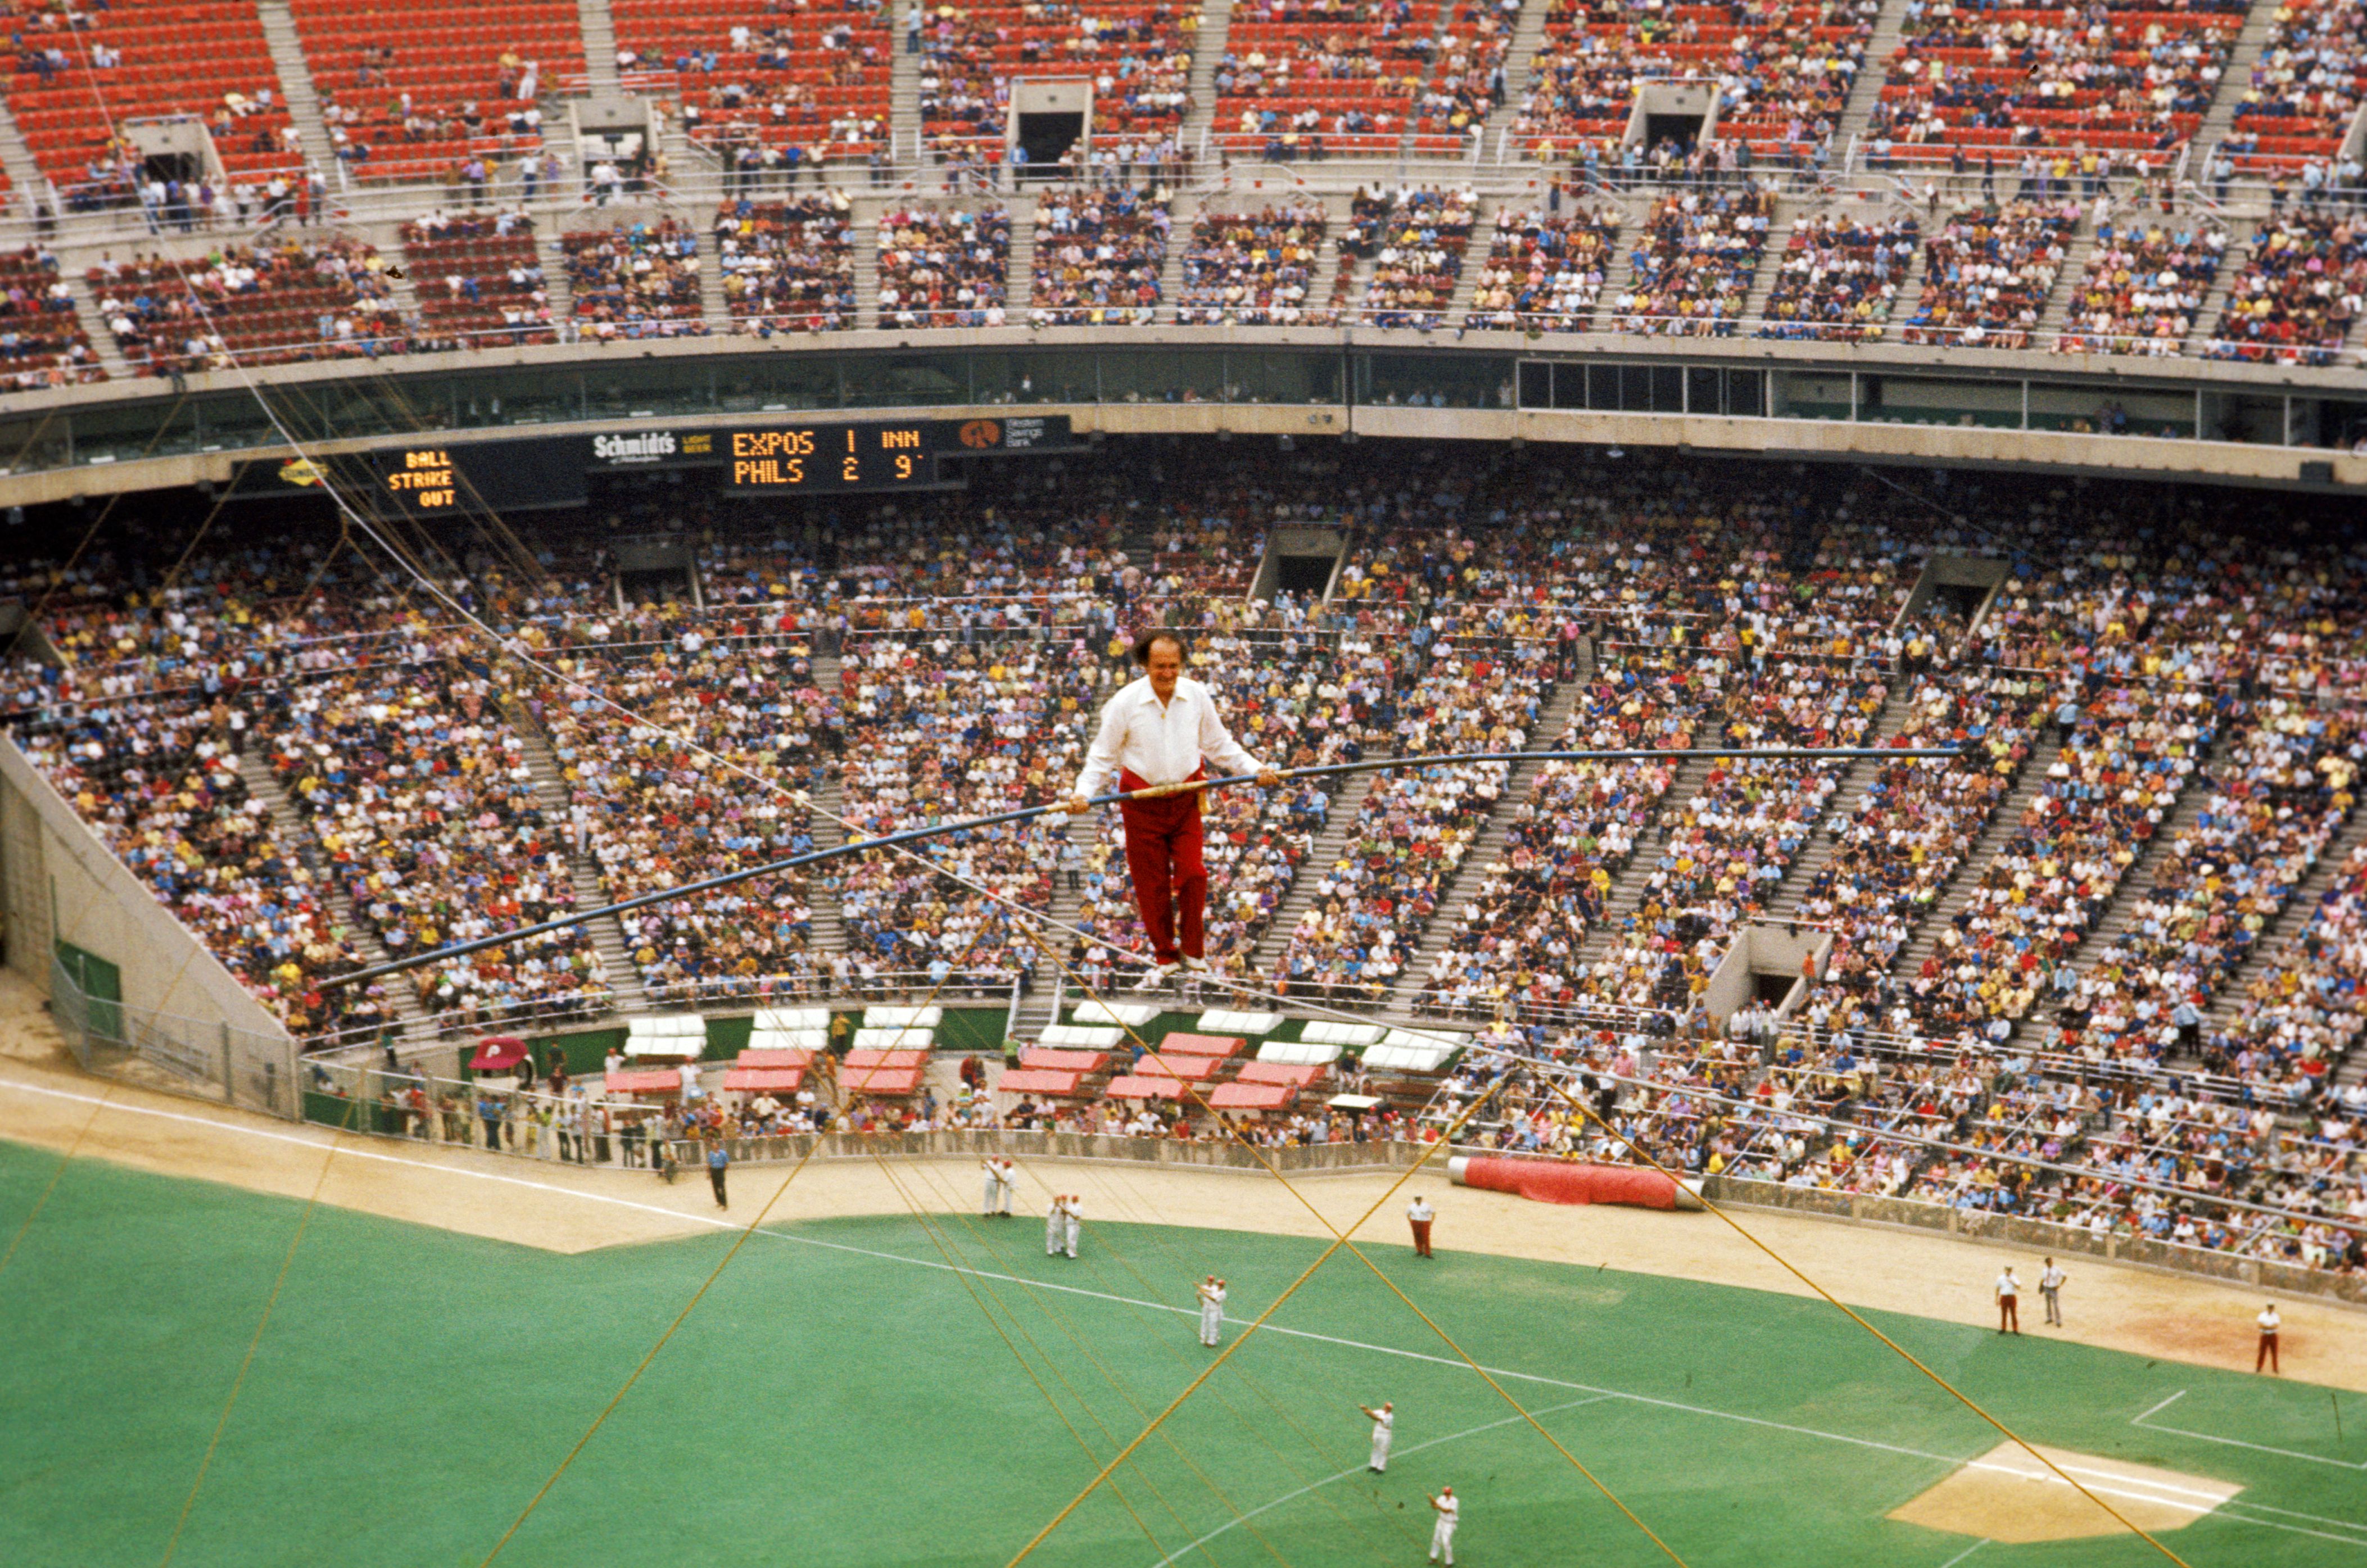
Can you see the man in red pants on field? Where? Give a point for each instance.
(1154, 732)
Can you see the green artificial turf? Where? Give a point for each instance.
(827, 1406)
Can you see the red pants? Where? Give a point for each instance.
(1421, 1237)
(2267, 1355)
(2008, 1317)
(1163, 855)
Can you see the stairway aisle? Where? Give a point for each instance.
(2003, 823)
(418, 1030)
(1183, 212)
(1475, 262)
(2060, 299)
(1627, 887)
(829, 936)
(1326, 852)
(2119, 910)
(2222, 283)
(1209, 41)
(904, 96)
(1866, 90)
(95, 327)
(2290, 922)
(599, 28)
(607, 934)
(863, 233)
(1479, 860)
(556, 283)
(1520, 77)
(2252, 41)
(713, 303)
(1897, 708)
(1019, 285)
(1770, 266)
(296, 83)
(24, 171)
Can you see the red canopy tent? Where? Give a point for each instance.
(1052, 1061)
(645, 1082)
(497, 1054)
(774, 1058)
(1032, 1080)
(898, 1059)
(887, 1082)
(1133, 1087)
(1295, 1074)
(1217, 1045)
(1251, 1096)
(1159, 1063)
(753, 1079)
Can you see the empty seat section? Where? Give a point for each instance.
(416, 92)
(749, 72)
(73, 89)
(479, 279)
(1315, 75)
(1138, 57)
(1785, 70)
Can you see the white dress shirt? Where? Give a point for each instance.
(1160, 742)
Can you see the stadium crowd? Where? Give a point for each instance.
(2118, 937)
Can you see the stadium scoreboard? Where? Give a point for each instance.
(864, 457)
(437, 478)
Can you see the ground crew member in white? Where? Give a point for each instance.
(1076, 1212)
(1055, 1224)
(1007, 1175)
(1441, 1535)
(993, 1185)
(2050, 1281)
(2008, 1300)
(1212, 1311)
(1385, 1423)
(1420, 1214)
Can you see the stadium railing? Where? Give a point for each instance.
(178, 1055)
(2046, 1236)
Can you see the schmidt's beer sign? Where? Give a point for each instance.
(655, 446)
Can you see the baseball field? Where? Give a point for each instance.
(881, 1376)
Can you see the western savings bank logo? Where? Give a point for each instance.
(981, 432)
(651, 446)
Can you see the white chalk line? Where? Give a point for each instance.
(268, 1134)
(2142, 1423)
